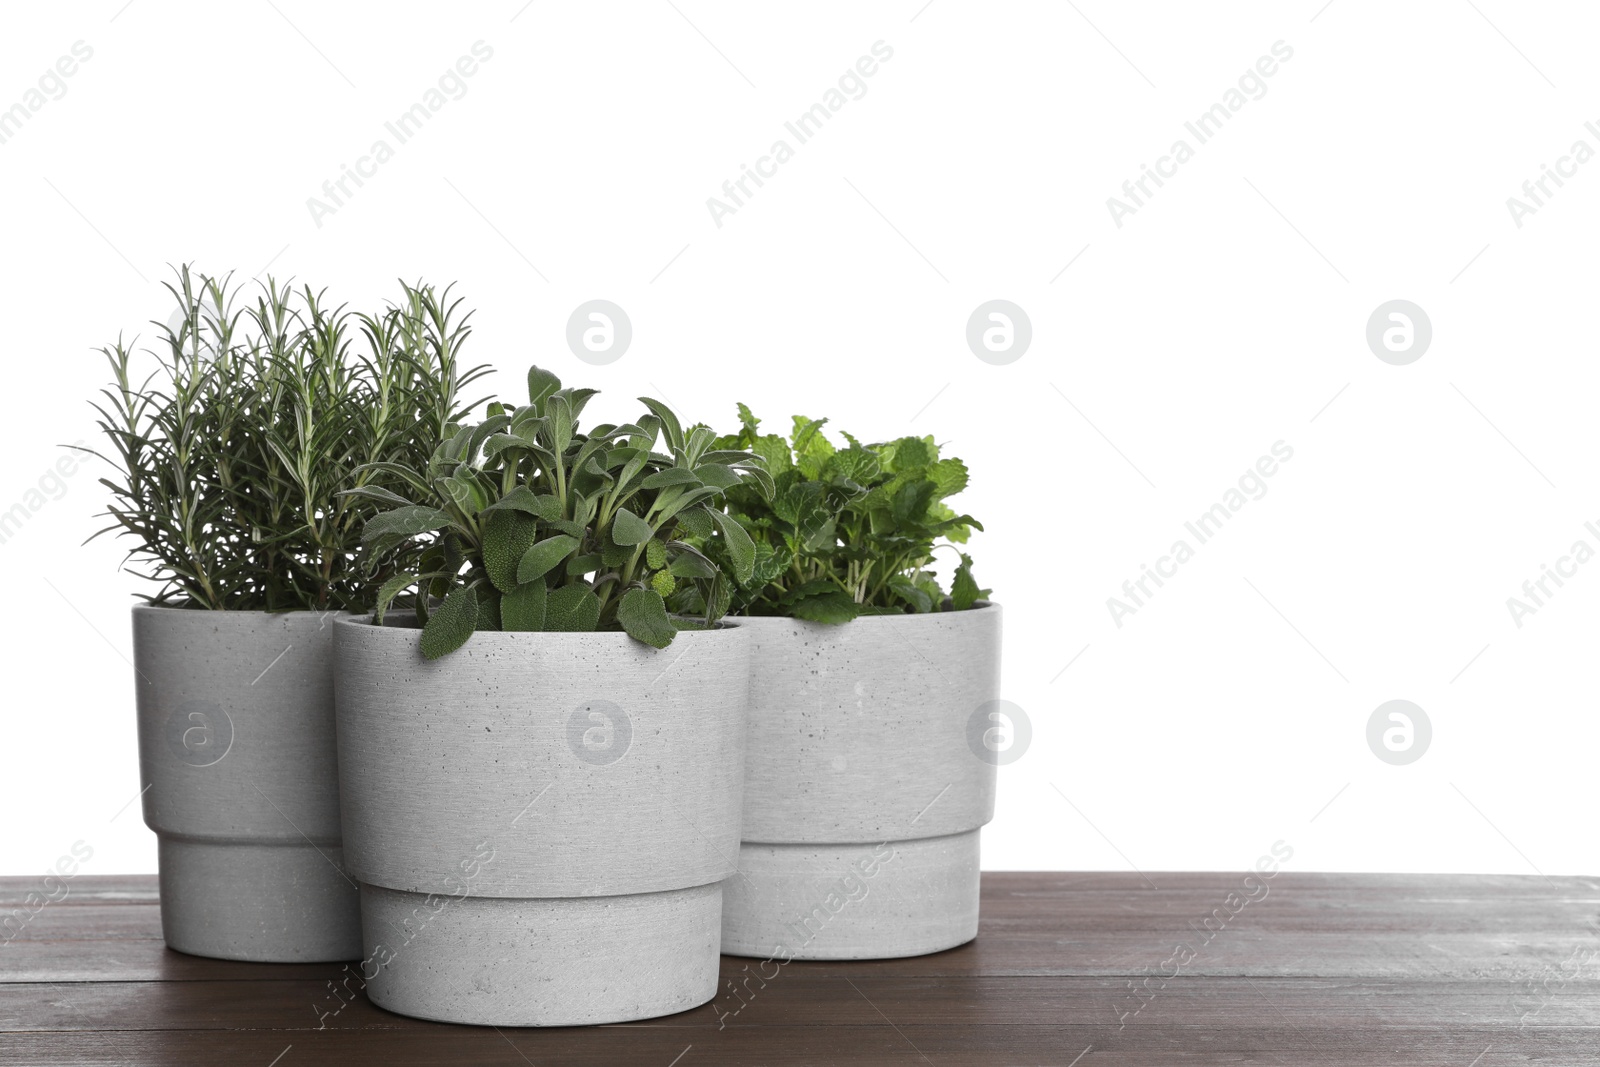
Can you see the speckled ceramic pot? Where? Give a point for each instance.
(236, 748)
(866, 785)
(541, 822)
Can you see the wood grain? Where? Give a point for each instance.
(1433, 971)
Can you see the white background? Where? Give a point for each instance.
(1227, 314)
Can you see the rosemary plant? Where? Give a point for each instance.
(230, 456)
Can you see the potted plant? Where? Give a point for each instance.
(228, 461)
(872, 689)
(541, 769)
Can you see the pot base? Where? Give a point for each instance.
(571, 961)
(266, 903)
(852, 902)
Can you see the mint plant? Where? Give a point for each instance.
(228, 457)
(844, 532)
(524, 523)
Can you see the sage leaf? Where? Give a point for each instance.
(451, 623)
(543, 556)
(643, 614)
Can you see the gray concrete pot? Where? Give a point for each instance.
(540, 822)
(866, 784)
(236, 746)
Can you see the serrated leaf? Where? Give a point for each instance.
(909, 454)
(774, 451)
(451, 623)
(950, 476)
(629, 529)
(405, 522)
(572, 609)
(964, 591)
(911, 502)
(543, 556)
(643, 614)
(523, 608)
(748, 421)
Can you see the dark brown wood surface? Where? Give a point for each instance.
(1381, 970)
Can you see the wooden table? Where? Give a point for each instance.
(1375, 970)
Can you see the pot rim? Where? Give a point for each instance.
(184, 608)
(364, 621)
(981, 608)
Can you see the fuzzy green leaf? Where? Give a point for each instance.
(507, 536)
(670, 476)
(378, 493)
(451, 623)
(405, 522)
(572, 609)
(488, 609)
(541, 383)
(629, 529)
(669, 421)
(741, 549)
(523, 608)
(543, 506)
(696, 522)
(388, 591)
(543, 556)
(717, 475)
(655, 554)
(829, 607)
(643, 613)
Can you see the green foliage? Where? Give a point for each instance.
(230, 456)
(563, 530)
(835, 533)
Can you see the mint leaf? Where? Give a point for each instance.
(964, 591)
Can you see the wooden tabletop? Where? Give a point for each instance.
(1069, 968)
